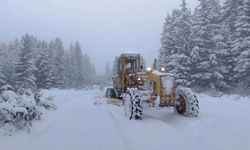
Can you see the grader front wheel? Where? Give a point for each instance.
(133, 104)
(187, 103)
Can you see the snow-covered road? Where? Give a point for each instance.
(223, 124)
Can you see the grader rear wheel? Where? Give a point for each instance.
(187, 102)
(110, 93)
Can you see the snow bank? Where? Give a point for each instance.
(17, 111)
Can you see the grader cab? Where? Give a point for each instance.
(135, 85)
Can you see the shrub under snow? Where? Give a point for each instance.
(18, 110)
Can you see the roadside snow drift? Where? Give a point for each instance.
(78, 124)
(19, 110)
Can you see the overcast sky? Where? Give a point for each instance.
(104, 28)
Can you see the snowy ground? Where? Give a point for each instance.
(223, 124)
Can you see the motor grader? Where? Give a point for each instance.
(135, 85)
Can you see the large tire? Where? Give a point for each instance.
(187, 103)
(110, 93)
(133, 104)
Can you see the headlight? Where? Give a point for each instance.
(149, 69)
(162, 69)
(139, 79)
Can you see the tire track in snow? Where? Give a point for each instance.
(119, 129)
(41, 131)
(184, 134)
(53, 119)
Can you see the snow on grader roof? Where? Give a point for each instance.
(130, 54)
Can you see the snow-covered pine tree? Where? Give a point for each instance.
(221, 50)
(43, 67)
(167, 42)
(3, 51)
(56, 54)
(230, 13)
(72, 68)
(69, 68)
(78, 70)
(79, 66)
(2, 78)
(224, 56)
(241, 45)
(180, 60)
(11, 58)
(200, 51)
(207, 72)
(177, 44)
(51, 48)
(34, 45)
(88, 72)
(67, 73)
(25, 68)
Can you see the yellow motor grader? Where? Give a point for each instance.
(135, 84)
